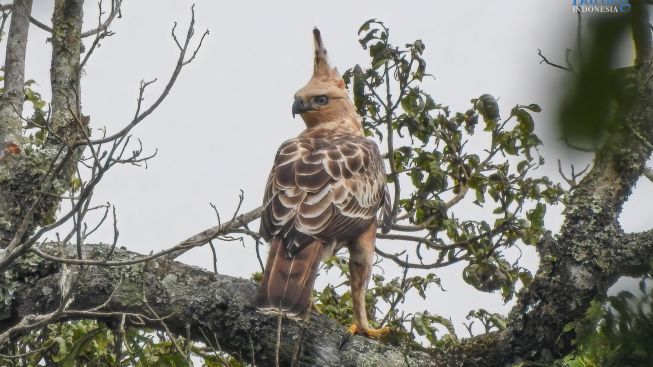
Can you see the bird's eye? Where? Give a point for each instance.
(321, 100)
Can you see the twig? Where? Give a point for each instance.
(215, 257)
(572, 181)
(171, 253)
(546, 61)
(140, 116)
(99, 35)
(406, 264)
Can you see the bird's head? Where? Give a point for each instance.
(324, 99)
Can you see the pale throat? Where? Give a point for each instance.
(341, 117)
(347, 123)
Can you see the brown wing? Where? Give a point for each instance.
(326, 188)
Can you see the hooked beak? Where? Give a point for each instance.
(298, 107)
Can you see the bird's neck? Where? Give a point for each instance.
(351, 125)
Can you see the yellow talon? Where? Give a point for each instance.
(352, 329)
(370, 333)
(377, 333)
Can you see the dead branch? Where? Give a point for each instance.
(546, 61)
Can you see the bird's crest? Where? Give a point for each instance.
(322, 71)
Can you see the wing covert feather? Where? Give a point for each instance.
(327, 187)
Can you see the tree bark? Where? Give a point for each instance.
(11, 104)
(64, 71)
(11, 107)
(219, 307)
(30, 185)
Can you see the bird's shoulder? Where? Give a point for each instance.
(327, 144)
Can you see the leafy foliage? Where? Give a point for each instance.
(89, 343)
(617, 333)
(440, 159)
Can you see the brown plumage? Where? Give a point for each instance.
(324, 192)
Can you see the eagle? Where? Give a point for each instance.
(323, 193)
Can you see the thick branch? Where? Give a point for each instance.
(11, 107)
(26, 179)
(200, 301)
(11, 104)
(635, 252)
(171, 253)
(64, 71)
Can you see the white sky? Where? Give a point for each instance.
(219, 129)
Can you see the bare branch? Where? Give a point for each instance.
(406, 264)
(573, 180)
(98, 36)
(140, 116)
(40, 25)
(102, 28)
(199, 239)
(546, 61)
(115, 5)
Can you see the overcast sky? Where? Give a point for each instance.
(219, 129)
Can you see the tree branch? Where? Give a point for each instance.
(634, 252)
(14, 82)
(546, 61)
(115, 10)
(171, 253)
(195, 300)
(591, 252)
(11, 107)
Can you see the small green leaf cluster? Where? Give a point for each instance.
(91, 343)
(615, 333)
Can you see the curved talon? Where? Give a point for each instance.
(370, 333)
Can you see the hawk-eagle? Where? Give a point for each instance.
(323, 193)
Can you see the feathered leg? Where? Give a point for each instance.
(361, 258)
(287, 284)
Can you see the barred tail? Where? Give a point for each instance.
(288, 282)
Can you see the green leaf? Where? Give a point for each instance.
(71, 357)
(366, 25)
(533, 107)
(488, 107)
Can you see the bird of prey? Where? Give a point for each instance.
(323, 193)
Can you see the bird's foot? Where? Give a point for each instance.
(369, 332)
